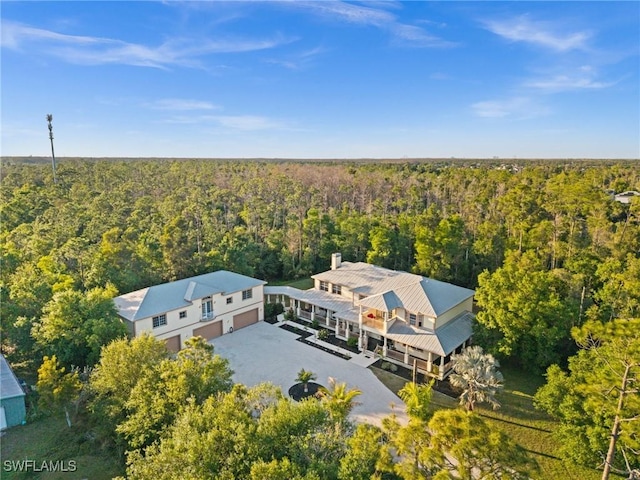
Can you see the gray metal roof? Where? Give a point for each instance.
(385, 302)
(170, 296)
(414, 292)
(442, 342)
(341, 306)
(9, 385)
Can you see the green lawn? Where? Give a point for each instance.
(302, 283)
(49, 439)
(517, 417)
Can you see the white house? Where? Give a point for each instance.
(207, 305)
(406, 318)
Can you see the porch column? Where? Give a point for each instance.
(297, 308)
(406, 353)
(313, 312)
(441, 373)
(337, 325)
(384, 347)
(360, 318)
(429, 362)
(384, 324)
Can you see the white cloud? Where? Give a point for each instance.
(375, 17)
(231, 122)
(248, 122)
(182, 104)
(514, 107)
(545, 34)
(560, 83)
(97, 51)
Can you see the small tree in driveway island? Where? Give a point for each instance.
(304, 377)
(477, 375)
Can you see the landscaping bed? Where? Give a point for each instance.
(323, 348)
(297, 391)
(296, 330)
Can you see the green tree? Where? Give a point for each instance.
(304, 377)
(56, 389)
(417, 398)
(363, 451)
(158, 397)
(123, 362)
(339, 399)
(476, 373)
(454, 444)
(598, 401)
(76, 325)
(525, 312)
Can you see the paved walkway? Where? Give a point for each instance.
(265, 353)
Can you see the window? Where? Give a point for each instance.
(229, 300)
(159, 321)
(247, 294)
(412, 319)
(324, 286)
(207, 308)
(420, 319)
(183, 314)
(337, 289)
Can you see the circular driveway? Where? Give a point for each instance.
(266, 353)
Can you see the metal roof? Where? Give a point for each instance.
(413, 292)
(170, 296)
(341, 306)
(442, 341)
(385, 302)
(9, 385)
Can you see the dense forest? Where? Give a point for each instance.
(544, 244)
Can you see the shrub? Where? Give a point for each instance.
(323, 334)
(352, 342)
(272, 310)
(315, 324)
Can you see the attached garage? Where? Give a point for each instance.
(209, 331)
(245, 319)
(173, 343)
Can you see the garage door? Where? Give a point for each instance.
(173, 343)
(243, 319)
(209, 331)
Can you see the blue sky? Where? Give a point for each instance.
(322, 79)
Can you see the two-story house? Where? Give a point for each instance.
(207, 305)
(406, 318)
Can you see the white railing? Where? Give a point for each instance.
(207, 316)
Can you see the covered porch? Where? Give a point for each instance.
(428, 351)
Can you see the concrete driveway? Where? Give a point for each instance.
(266, 353)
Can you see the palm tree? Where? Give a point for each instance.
(417, 398)
(304, 377)
(477, 375)
(339, 398)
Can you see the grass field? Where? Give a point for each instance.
(517, 417)
(302, 283)
(49, 439)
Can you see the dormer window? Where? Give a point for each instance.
(337, 289)
(324, 286)
(412, 319)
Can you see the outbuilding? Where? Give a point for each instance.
(12, 405)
